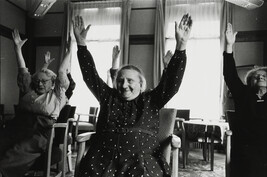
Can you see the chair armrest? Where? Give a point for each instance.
(81, 139)
(228, 152)
(84, 137)
(179, 119)
(176, 144)
(228, 132)
(176, 141)
(196, 118)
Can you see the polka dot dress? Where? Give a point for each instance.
(126, 143)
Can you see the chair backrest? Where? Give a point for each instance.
(93, 114)
(166, 125)
(72, 111)
(64, 114)
(183, 113)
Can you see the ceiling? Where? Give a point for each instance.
(20, 3)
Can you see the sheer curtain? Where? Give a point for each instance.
(159, 43)
(200, 88)
(104, 33)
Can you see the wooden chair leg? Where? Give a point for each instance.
(211, 156)
(69, 161)
(184, 155)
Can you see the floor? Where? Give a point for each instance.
(197, 167)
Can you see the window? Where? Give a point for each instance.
(200, 88)
(103, 35)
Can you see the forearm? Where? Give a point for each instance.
(230, 73)
(45, 66)
(180, 46)
(229, 48)
(64, 64)
(171, 79)
(89, 72)
(20, 59)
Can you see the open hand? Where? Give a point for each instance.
(230, 36)
(182, 31)
(80, 32)
(48, 59)
(115, 52)
(17, 40)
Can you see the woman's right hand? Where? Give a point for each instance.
(17, 40)
(182, 31)
(80, 32)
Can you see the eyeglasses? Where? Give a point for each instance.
(42, 81)
(256, 76)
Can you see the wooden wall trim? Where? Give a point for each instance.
(141, 39)
(47, 41)
(251, 36)
(254, 36)
(7, 32)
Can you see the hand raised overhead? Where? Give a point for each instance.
(230, 35)
(48, 58)
(17, 40)
(80, 32)
(182, 31)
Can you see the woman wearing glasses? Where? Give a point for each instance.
(249, 144)
(42, 96)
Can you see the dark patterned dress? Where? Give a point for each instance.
(249, 143)
(126, 143)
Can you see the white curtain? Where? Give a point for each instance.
(159, 43)
(104, 33)
(200, 88)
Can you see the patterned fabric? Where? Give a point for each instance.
(118, 148)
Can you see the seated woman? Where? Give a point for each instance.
(42, 96)
(249, 144)
(126, 142)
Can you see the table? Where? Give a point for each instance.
(197, 128)
(208, 132)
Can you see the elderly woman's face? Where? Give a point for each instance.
(42, 83)
(129, 84)
(258, 79)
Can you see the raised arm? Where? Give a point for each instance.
(173, 75)
(231, 77)
(18, 43)
(63, 70)
(90, 75)
(115, 65)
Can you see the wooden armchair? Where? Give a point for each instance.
(179, 130)
(86, 124)
(54, 154)
(167, 120)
